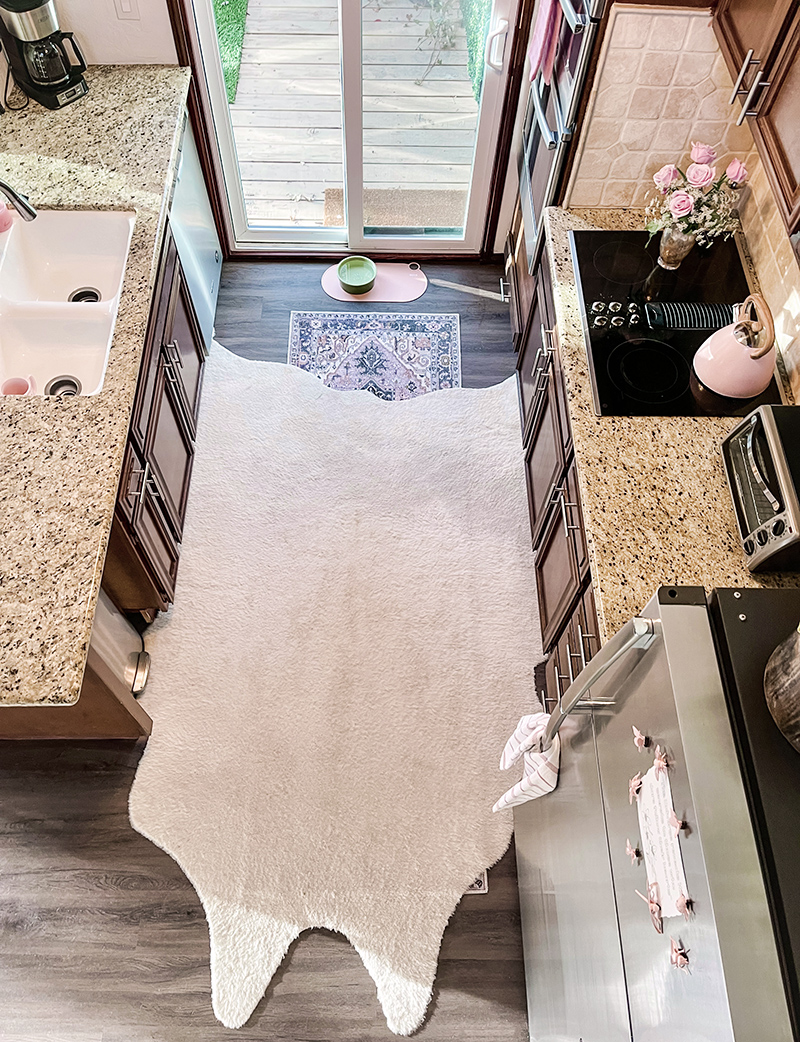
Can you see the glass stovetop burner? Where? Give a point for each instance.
(648, 371)
(623, 263)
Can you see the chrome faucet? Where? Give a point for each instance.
(18, 201)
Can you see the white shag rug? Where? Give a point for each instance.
(353, 640)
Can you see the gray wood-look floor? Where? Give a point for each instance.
(257, 297)
(102, 939)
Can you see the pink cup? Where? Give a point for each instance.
(17, 385)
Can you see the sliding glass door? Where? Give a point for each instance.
(368, 124)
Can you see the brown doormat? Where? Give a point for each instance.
(402, 208)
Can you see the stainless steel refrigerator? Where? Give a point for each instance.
(687, 676)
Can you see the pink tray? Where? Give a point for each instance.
(396, 283)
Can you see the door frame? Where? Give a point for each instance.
(187, 45)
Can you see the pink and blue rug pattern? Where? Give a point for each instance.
(394, 356)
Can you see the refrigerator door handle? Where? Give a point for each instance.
(636, 633)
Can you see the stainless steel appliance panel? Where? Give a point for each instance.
(666, 1004)
(573, 963)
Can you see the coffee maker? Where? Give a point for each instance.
(35, 49)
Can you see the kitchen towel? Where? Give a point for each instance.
(540, 768)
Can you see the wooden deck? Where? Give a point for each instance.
(418, 136)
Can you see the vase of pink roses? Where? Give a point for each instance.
(695, 206)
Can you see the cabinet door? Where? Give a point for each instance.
(183, 344)
(170, 450)
(776, 129)
(533, 366)
(549, 335)
(158, 544)
(744, 25)
(544, 463)
(155, 337)
(558, 580)
(587, 630)
(572, 517)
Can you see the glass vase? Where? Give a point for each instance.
(674, 247)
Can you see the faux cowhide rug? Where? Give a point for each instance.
(393, 355)
(353, 639)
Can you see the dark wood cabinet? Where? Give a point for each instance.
(760, 41)
(144, 547)
(576, 645)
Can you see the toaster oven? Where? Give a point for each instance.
(762, 463)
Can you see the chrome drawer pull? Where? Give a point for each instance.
(173, 347)
(567, 526)
(143, 484)
(746, 110)
(505, 287)
(748, 61)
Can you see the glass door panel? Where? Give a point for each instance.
(422, 80)
(287, 115)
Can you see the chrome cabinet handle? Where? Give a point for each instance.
(142, 484)
(550, 137)
(746, 110)
(567, 526)
(581, 638)
(152, 488)
(748, 61)
(173, 347)
(547, 338)
(505, 287)
(570, 655)
(636, 633)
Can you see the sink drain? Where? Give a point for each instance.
(84, 295)
(64, 386)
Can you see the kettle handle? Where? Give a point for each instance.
(759, 320)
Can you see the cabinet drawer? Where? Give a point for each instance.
(533, 365)
(558, 580)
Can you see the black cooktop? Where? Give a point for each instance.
(637, 367)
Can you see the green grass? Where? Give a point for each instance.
(230, 16)
(476, 15)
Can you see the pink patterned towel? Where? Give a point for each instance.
(542, 50)
(540, 769)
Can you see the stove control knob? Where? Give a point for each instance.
(633, 307)
(762, 535)
(749, 546)
(778, 526)
(634, 320)
(599, 322)
(598, 306)
(617, 321)
(615, 306)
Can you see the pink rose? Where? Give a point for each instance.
(681, 204)
(700, 174)
(737, 172)
(702, 153)
(666, 176)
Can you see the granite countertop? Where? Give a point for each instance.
(116, 148)
(656, 504)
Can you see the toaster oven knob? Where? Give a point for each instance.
(778, 527)
(762, 535)
(749, 546)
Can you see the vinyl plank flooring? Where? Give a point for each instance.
(102, 939)
(257, 297)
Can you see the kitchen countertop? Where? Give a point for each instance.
(655, 500)
(116, 148)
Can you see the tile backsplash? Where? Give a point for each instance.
(661, 83)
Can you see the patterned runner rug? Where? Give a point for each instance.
(395, 356)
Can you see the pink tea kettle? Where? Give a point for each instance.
(738, 360)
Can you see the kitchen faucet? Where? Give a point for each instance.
(18, 201)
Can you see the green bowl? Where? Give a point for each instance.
(356, 274)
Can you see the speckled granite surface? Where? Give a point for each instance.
(61, 458)
(655, 500)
